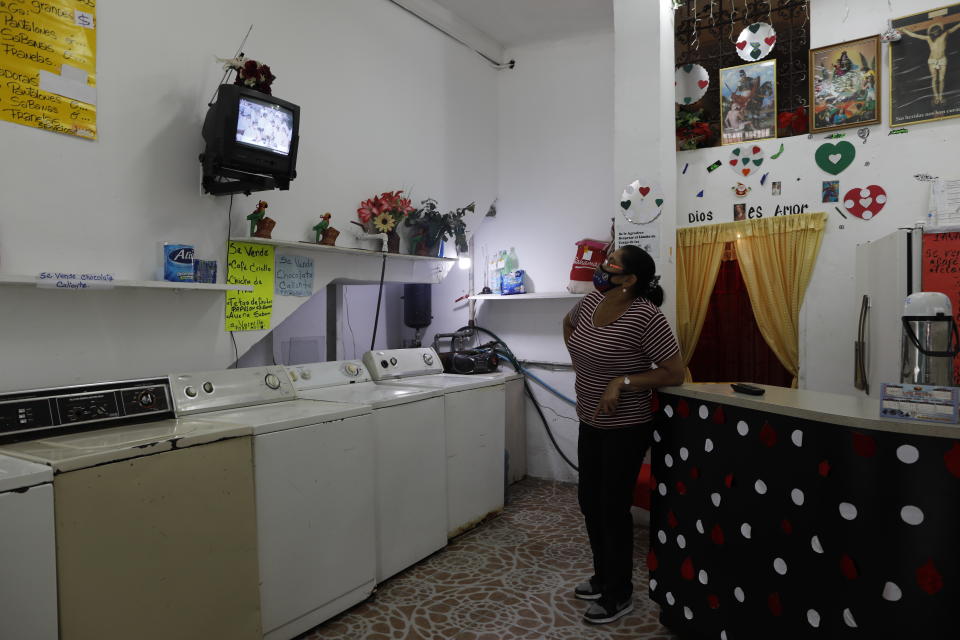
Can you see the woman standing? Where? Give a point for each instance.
(615, 336)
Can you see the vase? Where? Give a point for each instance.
(393, 242)
(329, 236)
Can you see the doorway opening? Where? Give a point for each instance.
(731, 347)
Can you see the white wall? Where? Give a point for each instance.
(555, 167)
(829, 314)
(387, 102)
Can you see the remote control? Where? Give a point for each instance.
(749, 389)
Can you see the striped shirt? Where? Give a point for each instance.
(628, 345)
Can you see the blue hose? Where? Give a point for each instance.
(536, 379)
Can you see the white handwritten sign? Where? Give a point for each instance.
(74, 280)
(647, 239)
(293, 276)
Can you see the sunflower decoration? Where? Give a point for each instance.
(384, 222)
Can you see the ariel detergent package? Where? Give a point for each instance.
(176, 262)
(512, 283)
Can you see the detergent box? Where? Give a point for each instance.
(176, 262)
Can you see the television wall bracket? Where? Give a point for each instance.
(220, 181)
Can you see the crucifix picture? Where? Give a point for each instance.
(925, 67)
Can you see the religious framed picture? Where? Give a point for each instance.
(748, 102)
(845, 85)
(925, 67)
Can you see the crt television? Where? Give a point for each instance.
(253, 133)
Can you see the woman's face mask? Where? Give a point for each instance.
(602, 275)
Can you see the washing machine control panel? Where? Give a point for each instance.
(401, 363)
(89, 405)
(318, 375)
(216, 390)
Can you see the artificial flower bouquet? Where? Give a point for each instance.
(382, 213)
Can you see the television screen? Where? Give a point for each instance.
(264, 125)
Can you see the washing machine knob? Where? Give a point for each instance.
(352, 370)
(272, 381)
(393, 361)
(191, 392)
(208, 387)
(428, 359)
(293, 376)
(305, 374)
(384, 364)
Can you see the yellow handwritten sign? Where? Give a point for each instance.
(250, 264)
(48, 65)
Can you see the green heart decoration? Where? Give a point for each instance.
(736, 151)
(688, 67)
(625, 204)
(834, 158)
(754, 27)
(659, 202)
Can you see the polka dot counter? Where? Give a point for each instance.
(784, 524)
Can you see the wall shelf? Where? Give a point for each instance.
(24, 280)
(559, 295)
(322, 248)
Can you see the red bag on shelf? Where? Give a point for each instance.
(590, 255)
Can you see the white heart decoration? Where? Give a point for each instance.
(690, 86)
(865, 202)
(642, 196)
(834, 158)
(761, 41)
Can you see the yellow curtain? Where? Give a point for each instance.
(699, 250)
(776, 257)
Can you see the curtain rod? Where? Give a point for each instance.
(496, 64)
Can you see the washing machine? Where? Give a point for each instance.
(474, 418)
(410, 474)
(28, 586)
(314, 478)
(154, 517)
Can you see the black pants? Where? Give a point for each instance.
(610, 460)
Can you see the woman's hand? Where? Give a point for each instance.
(609, 400)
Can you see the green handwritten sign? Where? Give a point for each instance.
(249, 264)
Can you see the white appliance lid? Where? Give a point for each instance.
(370, 393)
(288, 415)
(449, 382)
(89, 448)
(19, 474)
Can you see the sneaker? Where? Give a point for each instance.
(601, 614)
(586, 591)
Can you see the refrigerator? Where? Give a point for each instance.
(887, 271)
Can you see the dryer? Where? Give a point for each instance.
(314, 480)
(474, 423)
(410, 474)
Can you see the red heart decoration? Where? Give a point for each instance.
(703, 83)
(746, 172)
(770, 40)
(865, 203)
(756, 150)
(741, 44)
(644, 191)
(734, 162)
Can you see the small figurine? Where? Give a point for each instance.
(260, 224)
(325, 233)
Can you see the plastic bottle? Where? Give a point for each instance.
(513, 263)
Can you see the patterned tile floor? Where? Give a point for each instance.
(510, 578)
